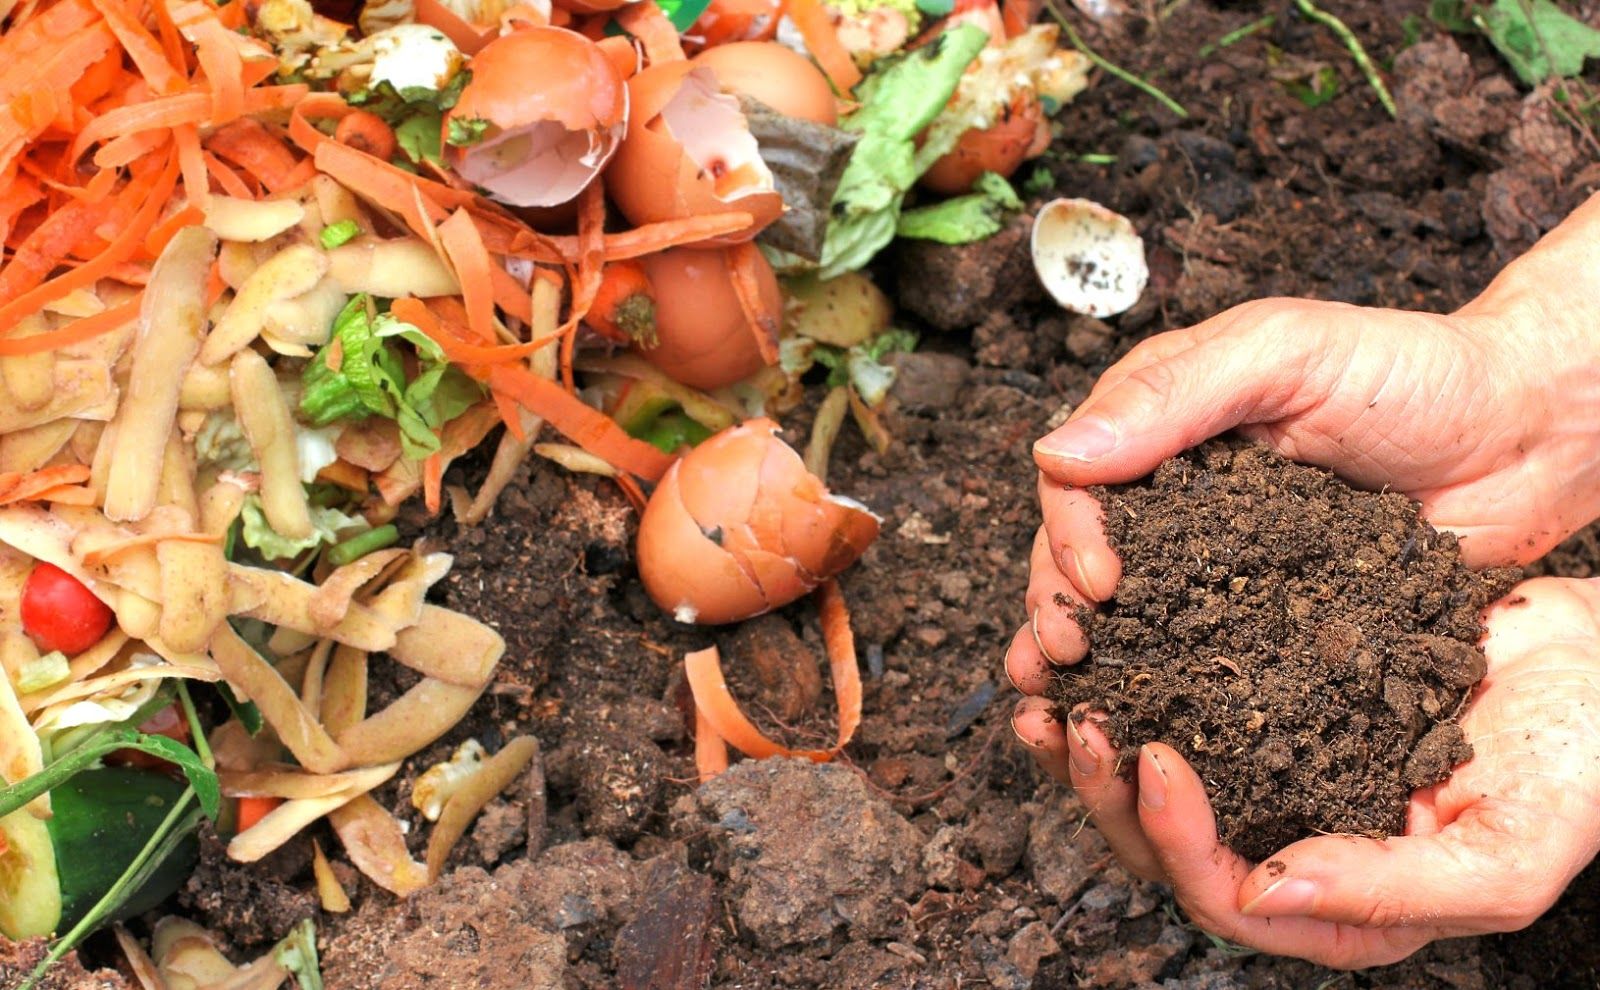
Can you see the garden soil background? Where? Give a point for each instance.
(936, 856)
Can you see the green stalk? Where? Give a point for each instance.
(1143, 86)
(1358, 53)
(361, 544)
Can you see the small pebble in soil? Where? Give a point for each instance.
(1306, 646)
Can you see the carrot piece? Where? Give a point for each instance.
(120, 151)
(144, 51)
(75, 332)
(744, 265)
(51, 71)
(845, 671)
(192, 163)
(710, 752)
(591, 258)
(227, 178)
(68, 495)
(1018, 15)
(456, 342)
(389, 187)
(248, 144)
(366, 131)
(647, 22)
(816, 28)
(653, 237)
(223, 66)
(433, 483)
(15, 197)
(120, 249)
(19, 487)
(465, 252)
(162, 112)
(624, 305)
(584, 425)
(47, 246)
(163, 231)
(252, 809)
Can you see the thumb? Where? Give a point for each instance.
(1136, 419)
(1470, 877)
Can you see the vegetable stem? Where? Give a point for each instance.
(1358, 53)
(361, 544)
(202, 746)
(1238, 34)
(1144, 86)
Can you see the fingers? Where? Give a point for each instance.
(1054, 606)
(1110, 797)
(1042, 735)
(1479, 878)
(1074, 523)
(1206, 876)
(1244, 367)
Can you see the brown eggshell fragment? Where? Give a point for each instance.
(711, 535)
(780, 77)
(688, 153)
(703, 337)
(1002, 147)
(546, 140)
(700, 581)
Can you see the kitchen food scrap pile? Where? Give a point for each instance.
(343, 373)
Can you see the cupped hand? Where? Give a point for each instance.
(1488, 850)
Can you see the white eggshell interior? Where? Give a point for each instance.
(1089, 258)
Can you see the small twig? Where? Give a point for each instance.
(1357, 51)
(1144, 86)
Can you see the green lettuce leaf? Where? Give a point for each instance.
(1539, 39)
(371, 380)
(964, 219)
(897, 102)
(326, 525)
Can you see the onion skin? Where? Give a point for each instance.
(1002, 148)
(703, 338)
(739, 527)
(652, 179)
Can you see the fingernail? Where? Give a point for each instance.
(1084, 439)
(1072, 566)
(1083, 757)
(1033, 624)
(1152, 780)
(1291, 896)
(1005, 665)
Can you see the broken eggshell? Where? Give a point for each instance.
(703, 336)
(1089, 258)
(739, 527)
(548, 135)
(689, 153)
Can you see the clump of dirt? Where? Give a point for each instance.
(1304, 645)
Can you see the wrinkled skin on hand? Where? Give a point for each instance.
(1488, 850)
(1490, 417)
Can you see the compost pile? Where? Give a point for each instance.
(1304, 645)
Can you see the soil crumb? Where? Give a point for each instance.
(1304, 645)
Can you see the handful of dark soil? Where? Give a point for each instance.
(1306, 646)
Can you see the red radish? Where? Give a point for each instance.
(59, 613)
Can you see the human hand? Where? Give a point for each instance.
(1487, 850)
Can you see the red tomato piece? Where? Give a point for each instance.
(59, 613)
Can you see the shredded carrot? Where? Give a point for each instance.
(584, 425)
(723, 717)
(591, 259)
(120, 151)
(632, 492)
(128, 239)
(463, 248)
(69, 495)
(144, 51)
(223, 66)
(710, 752)
(744, 265)
(226, 177)
(75, 332)
(192, 162)
(653, 237)
(47, 246)
(248, 144)
(433, 482)
(1018, 15)
(822, 41)
(163, 231)
(458, 346)
(646, 21)
(19, 487)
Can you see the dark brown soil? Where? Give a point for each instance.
(1304, 645)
